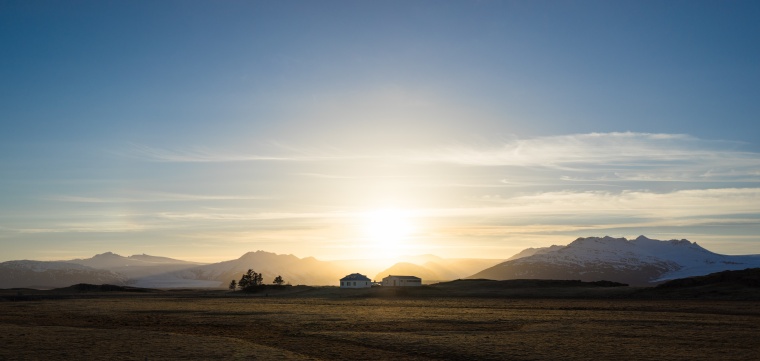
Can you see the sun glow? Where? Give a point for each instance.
(387, 228)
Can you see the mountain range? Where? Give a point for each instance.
(641, 261)
(162, 272)
(45, 274)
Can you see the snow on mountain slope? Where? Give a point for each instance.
(640, 261)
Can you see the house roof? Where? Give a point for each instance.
(405, 277)
(355, 277)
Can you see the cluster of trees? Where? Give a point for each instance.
(252, 280)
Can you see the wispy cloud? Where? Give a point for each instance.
(593, 157)
(613, 157)
(279, 153)
(548, 215)
(256, 216)
(572, 210)
(90, 227)
(146, 197)
(677, 204)
(593, 148)
(195, 155)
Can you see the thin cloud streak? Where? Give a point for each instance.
(628, 156)
(207, 155)
(217, 216)
(86, 228)
(677, 204)
(621, 157)
(147, 197)
(543, 206)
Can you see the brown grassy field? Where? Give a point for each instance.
(346, 325)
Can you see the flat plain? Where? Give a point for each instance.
(351, 325)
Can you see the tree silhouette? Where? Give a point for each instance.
(246, 279)
(233, 285)
(278, 280)
(250, 279)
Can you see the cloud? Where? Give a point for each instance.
(145, 197)
(624, 156)
(733, 214)
(592, 157)
(676, 204)
(196, 155)
(593, 148)
(257, 216)
(592, 212)
(217, 155)
(89, 227)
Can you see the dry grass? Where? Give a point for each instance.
(183, 326)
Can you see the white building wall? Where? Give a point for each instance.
(355, 284)
(400, 282)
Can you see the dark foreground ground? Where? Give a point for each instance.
(433, 323)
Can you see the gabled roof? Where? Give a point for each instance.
(355, 277)
(405, 277)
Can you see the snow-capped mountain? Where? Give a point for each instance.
(41, 274)
(641, 261)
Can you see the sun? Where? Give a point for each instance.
(387, 227)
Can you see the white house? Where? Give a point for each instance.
(403, 281)
(355, 280)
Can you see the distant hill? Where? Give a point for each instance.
(105, 268)
(86, 287)
(734, 285)
(112, 260)
(43, 275)
(524, 283)
(293, 270)
(162, 272)
(749, 277)
(641, 261)
(135, 266)
(309, 270)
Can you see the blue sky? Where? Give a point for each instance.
(202, 130)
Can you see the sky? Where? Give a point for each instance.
(202, 130)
